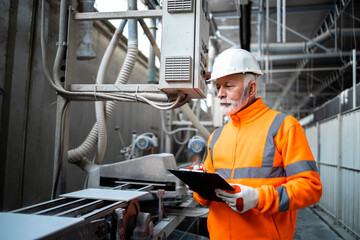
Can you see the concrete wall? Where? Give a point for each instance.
(28, 109)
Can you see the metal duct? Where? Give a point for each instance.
(303, 46)
(85, 51)
(245, 26)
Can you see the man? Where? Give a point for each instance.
(264, 154)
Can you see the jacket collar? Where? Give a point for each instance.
(252, 112)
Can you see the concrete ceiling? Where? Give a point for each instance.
(309, 68)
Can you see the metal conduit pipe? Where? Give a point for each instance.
(354, 63)
(151, 61)
(283, 21)
(259, 29)
(156, 49)
(303, 46)
(278, 20)
(61, 45)
(195, 121)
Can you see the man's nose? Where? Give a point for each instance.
(221, 92)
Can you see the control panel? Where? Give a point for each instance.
(184, 47)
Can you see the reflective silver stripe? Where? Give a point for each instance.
(283, 198)
(269, 150)
(224, 173)
(215, 137)
(299, 167)
(259, 172)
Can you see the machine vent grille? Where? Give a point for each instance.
(174, 6)
(178, 69)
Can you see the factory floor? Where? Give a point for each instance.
(309, 226)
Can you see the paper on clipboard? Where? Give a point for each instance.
(203, 183)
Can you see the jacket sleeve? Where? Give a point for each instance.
(302, 187)
(209, 168)
(201, 200)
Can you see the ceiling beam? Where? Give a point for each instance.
(286, 57)
(303, 62)
(301, 94)
(294, 9)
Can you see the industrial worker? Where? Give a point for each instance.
(262, 153)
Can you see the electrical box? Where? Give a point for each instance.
(184, 47)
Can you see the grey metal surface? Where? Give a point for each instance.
(105, 194)
(147, 169)
(13, 121)
(16, 226)
(166, 226)
(339, 167)
(188, 212)
(27, 163)
(119, 15)
(115, 88)
(151, 167)
(350, 178)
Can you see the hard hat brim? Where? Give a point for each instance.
(258, 74)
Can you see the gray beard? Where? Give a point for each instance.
(236, 105)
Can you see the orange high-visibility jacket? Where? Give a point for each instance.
(266, 150)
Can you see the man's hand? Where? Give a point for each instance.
(199, 167)
(241, 199)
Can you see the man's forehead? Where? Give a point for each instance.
(234, 78)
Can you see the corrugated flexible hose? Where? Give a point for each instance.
(78, 155)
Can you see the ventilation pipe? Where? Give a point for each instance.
(304, 46)
(245, 26)
(85, 51)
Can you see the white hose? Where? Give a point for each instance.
(86, 147)
(124, 74)
(99, 106)
(122, 78)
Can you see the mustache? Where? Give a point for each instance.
(227, 101)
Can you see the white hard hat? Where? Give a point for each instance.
(234, 60)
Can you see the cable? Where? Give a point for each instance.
(176, 130)
(90, 96)
(126, 97)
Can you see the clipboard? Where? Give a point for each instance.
(203, 183)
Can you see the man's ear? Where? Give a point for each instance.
(252, 88)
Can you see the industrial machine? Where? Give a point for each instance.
(134, 199)
(129, 199)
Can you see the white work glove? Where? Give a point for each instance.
(199, 167)
(241, 199)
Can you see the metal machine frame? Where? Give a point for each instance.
(82, 217)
